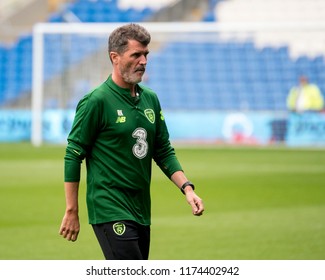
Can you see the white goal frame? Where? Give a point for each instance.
(41, 29)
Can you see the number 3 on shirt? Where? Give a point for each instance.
(140, 148)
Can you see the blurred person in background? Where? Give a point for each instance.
(119, 128)
(305, 97)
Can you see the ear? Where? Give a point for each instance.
(114, 57)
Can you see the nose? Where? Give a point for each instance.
(143, 60)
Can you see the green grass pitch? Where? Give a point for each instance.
(261, 203)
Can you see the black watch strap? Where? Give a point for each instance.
(188, 183)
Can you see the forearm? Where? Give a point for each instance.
(70, 226)
(179, 178)
(196, 203)
(71, 196)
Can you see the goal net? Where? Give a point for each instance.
(202, 72)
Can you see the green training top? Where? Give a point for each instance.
(119, 135)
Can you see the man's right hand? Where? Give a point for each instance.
(70, 226)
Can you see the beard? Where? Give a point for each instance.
(132, 76)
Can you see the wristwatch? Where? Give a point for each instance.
(188, 183)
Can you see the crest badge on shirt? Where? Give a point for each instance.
(150, 114)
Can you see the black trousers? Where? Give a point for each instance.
(123, 240)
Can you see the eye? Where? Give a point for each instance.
(136, 55)
(139, 54)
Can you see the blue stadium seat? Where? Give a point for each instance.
(209, 16)
(16, 62)
(224, 76)
(232, 75)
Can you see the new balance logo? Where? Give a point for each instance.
(121, 119)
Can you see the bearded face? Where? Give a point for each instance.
(131, 64)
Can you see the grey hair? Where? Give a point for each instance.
(118, 39)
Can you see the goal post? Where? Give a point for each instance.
(71, 58)
(40, 30)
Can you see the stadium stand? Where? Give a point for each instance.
(254, 74)
(228, 75)
(101, 11)
(16, 58)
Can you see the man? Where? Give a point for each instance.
(305, 97)
(119, 128)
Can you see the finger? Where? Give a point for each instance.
(74, 237)
(63, 232)
(194, 207)
(71, 235)
(66, 234)
(199, 209)
(198, 213)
